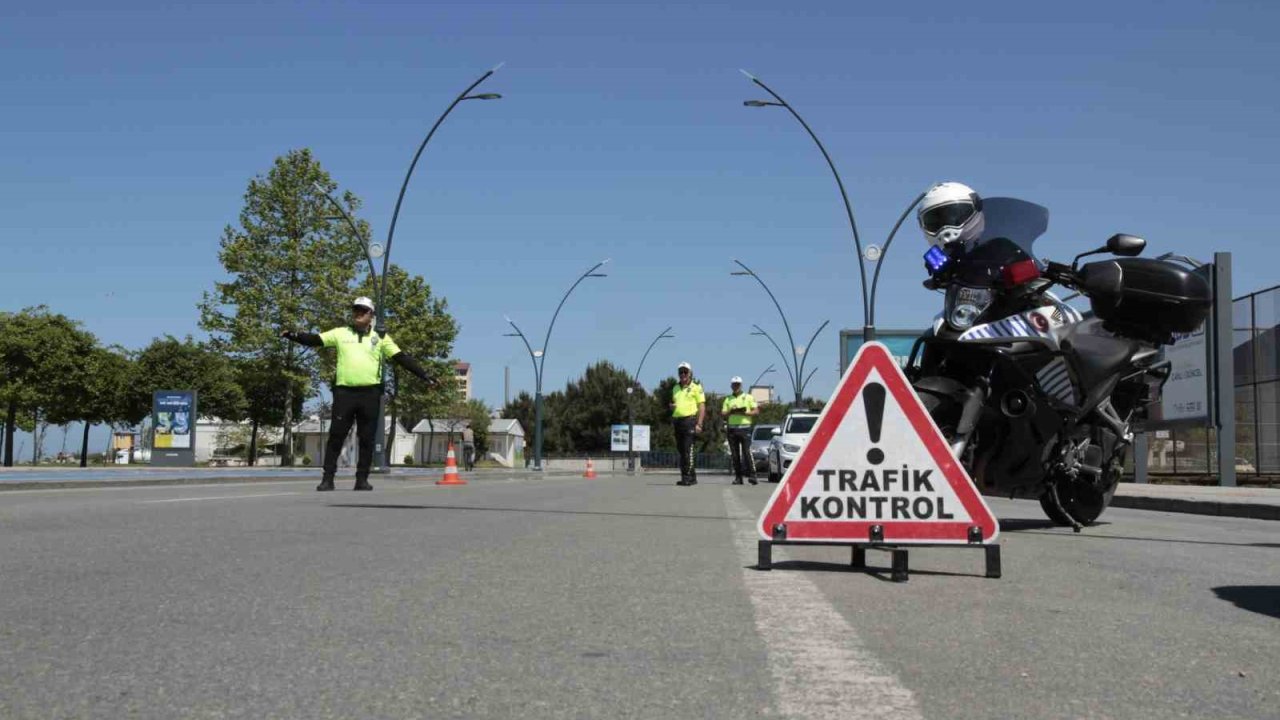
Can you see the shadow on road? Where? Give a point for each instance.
(387, 506)
(879, 573)
(1086, 536)
(1262, 599)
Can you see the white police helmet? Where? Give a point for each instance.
(951, 212)
(363, 302)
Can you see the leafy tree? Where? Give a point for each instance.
(478, 413)
(266, 396)
(43, 363)
(291, 265)
(172, 364)
(589, 406)
(103, 392)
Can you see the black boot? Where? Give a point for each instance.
(362, 484)
(752, 479)
(326, 484)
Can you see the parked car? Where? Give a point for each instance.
(787, 441)
(761, 436)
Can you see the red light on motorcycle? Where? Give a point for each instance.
(1021, 272)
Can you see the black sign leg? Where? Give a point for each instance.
(765, 557)
(993, 561)
(859, 559)
(899, 566)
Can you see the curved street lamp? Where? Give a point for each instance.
(868, 328)
(764, 372)
(539, 359)
(631, 410)
(372, 250)
(796, 367)
(382, 454)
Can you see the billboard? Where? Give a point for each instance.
(1186, 393)
(173, 417)
(618, 438)
(899, 343)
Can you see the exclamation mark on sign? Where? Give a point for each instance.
(873, 403)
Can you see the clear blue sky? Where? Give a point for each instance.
(130, 131)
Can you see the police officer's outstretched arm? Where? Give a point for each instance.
(406, 361)
(303, 338)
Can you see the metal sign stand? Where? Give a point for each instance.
(898, 553)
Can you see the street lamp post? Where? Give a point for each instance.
(764, 372)
(631, 407)
(797, 383)
(381, 453)
(796, 366)
(868, 328)
(539, 359)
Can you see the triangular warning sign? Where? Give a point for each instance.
(876, 458)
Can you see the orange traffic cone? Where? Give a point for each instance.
(451, 470)
(591, 470)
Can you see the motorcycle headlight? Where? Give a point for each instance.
(965, 304)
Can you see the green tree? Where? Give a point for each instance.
(172, 364)
(421, 326)
(478, 413)
(43, 364)
(291, 265)
(590, 405)
(266, 396)
(104, 393)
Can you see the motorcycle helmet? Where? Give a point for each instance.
(950, 212)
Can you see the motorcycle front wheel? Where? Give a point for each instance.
(1083, 500)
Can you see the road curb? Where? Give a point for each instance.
(1198, 507)
(81, 484)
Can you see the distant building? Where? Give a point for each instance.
(462, 371)
(762, 393)
(313, 435)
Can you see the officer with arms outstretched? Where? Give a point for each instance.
(358, 388)
(738, 409)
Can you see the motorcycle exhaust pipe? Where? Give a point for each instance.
(1016, 403)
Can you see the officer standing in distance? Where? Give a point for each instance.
(738, 409)
(688, 410)
(358, 387)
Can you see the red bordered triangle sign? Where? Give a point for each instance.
(875, 457)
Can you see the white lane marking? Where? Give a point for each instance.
(819, 665)
(219, 497)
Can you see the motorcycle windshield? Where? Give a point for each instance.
(1011, 227)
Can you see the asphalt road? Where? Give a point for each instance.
(556, 596)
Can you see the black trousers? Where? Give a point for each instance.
(358, 405)
(740, 451)
(684, 444)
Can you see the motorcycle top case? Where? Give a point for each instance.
(1147, 295)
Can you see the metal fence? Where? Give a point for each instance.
(1193, 451)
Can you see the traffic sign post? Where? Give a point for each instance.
(877, 473)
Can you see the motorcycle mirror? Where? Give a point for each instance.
(1126, 245)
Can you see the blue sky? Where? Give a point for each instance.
(130, 131)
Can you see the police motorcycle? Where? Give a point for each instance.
(1036, 398)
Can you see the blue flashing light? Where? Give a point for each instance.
(936, 259)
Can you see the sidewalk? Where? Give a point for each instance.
(1247, 502)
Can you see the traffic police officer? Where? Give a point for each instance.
(688, 410)
(738, 409)
(361, 353)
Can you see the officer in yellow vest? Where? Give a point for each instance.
(688, 410)
(361, 353)
(738, 409)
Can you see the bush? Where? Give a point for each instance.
(408, 459)
(306, 459)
